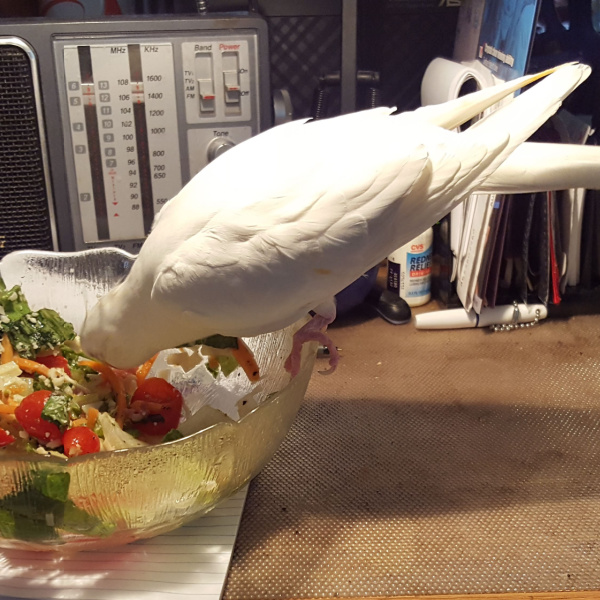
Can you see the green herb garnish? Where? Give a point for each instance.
(31, 331)
(57, 410)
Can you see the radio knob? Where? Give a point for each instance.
(217, 147)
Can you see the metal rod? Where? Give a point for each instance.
(348, 70)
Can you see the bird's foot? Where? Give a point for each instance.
(313, 331)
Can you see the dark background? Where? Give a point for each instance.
(396, 38)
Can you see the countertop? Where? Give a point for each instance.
(434, 462)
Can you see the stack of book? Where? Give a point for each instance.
(530, 248)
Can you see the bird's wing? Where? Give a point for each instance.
(485, 146)
(519, 119)
(539, 167)
(324, 204)
(312, 205)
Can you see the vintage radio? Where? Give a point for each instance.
(102, 122)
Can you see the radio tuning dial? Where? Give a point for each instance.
(217, 147)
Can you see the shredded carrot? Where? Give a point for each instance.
(92, 417)
(143, 370)
(245, 358)
(7, 420)
(7, 409)
(7, 350)
(30, 366)
(213, 362)
(79, 422)
(115, 382)
(146, 406)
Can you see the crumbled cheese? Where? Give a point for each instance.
(13, 297)
(59, 378)
(4, 319)
(41, 450)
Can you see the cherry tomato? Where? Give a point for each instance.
(29, 416)
(162, 401)
(55, 362)
(80, 440)
(5, 438)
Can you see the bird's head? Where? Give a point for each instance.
(128, 326)
(111, 325)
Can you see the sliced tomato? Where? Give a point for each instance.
(80, 440)
(160, 402)
(29, 416)
(5, 438)
(55, 362)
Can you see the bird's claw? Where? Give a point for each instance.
(311, 332)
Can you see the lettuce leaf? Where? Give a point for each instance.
(42, 507)
(217, 341)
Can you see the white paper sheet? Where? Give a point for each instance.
(190, 562)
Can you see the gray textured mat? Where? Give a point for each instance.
(434, 462)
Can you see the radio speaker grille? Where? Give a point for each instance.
(25, 220)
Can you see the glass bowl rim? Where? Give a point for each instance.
(33, 457)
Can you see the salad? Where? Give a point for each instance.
(55, 400)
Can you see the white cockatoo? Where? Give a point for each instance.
(274, 228)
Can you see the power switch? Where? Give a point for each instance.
(206, 83)
(231, 83)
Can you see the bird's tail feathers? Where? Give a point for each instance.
(455, 113)
(529, 111)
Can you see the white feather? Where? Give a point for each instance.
(281, 223)
(537, 167)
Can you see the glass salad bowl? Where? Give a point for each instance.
(231, 429)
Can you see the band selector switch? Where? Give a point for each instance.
(206, 83)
